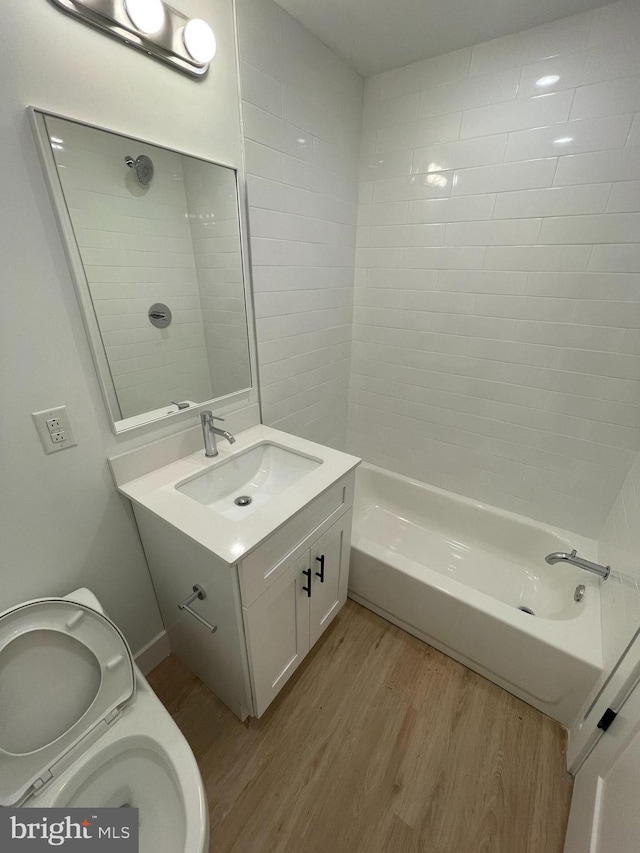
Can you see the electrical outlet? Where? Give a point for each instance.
(54, 429)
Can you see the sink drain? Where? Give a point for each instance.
(527, 610)
(243, 500)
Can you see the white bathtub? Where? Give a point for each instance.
(454, 573)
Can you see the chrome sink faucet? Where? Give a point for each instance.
(209, 433)
(580, 562)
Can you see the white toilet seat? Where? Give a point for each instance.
(66, 673)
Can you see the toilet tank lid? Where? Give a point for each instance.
(66, 673)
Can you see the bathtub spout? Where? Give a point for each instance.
(580, 562)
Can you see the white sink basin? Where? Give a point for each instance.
(258, 474)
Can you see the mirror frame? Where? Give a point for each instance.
(238, 399)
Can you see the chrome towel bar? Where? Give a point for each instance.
(198, 593)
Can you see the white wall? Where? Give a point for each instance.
(301, 109)
(497, 321)
(63, 524)
(619, 546)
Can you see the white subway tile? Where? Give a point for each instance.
(466, 94)
(436, 185)
(407, 235)
(460, 154)
(585, 285)
(604, 228)
(573, 137)
(270, 252)
(391, 111)
(285, 226)
(260, 90)
(483, 281)
(599, 167)
(609, 98)
(418, 133)
(565, 36)
(504, 177)
(601, 363)
(444, 258)
(579, 69)
(416, 300)
(381, 258)
(365, 193)
(262, 161)
(606, 312)
(634, 133)
(368, 143)
(334, 209)
(267, 129)
(391, 213)
(393, 164)
(555, 258)
(625, 197)
(516, 115)
(274, 195)
(424, 74)
(498, 232)
(613, 258)
(463, 209)
(403, 279)
(554, 201)
(525, 307)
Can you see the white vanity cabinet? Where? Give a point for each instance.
(287, 620)
(270, 607)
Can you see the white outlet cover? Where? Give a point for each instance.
(46, 436)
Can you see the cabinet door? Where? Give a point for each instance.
(330, 575)
(277, 629)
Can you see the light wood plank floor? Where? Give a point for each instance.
(378, 743)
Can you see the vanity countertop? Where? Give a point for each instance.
(228, 539)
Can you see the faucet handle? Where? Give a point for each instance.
(208, 415)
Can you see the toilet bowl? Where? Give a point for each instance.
(81, 727)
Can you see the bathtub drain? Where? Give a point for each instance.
(527, 610)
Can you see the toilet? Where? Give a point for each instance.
(80, 725)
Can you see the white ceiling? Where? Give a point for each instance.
(375, 35)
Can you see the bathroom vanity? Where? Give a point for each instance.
(258, 581)
(245, 588)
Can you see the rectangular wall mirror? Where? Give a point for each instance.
(154, 240)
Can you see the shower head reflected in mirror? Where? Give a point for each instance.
(143, 166)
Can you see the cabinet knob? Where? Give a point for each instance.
(307, 589)
(320, 574)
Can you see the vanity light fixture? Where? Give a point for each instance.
(188, 44)
(199, 40)
(146, 15)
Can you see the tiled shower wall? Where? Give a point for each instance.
(136, 248)
(496, 345)
(213, 217)
(302, 110)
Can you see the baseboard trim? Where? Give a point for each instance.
(155, 651)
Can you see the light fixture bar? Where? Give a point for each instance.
(167, 44)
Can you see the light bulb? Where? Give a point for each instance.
(199, 41)
(146, 15)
